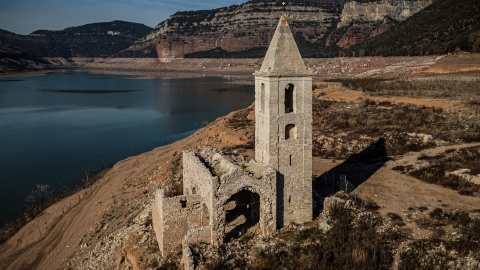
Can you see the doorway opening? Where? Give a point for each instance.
(242, 214)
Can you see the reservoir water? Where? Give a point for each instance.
(53, 127)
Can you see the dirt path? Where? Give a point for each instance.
(395, 192)
(412, 157)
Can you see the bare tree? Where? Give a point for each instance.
(42, 193)
(31, 204)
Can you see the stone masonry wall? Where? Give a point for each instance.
(291, 157)
(231, 178)
(295, 154)
(200, 217)
(198, 235)
(173, 217)
(197, 178)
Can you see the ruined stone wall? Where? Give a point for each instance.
(157, 219)
(197, 178)
(200, 217)
(198, 235)
(264, 185)
(230, 179)
(173, 217)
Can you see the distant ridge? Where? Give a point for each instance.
(445, 26)
(103, 39)
(13, 59)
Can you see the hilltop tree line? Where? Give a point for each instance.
(91, 40)
(446, 26)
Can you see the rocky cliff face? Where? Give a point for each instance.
(236, 28)
(374, 12)
(316, 24)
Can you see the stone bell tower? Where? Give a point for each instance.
(283, 129)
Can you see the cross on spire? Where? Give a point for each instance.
(283, 3)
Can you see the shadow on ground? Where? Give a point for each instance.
(347, 176)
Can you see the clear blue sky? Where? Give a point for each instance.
(26, 16)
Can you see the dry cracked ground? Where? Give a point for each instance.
(408, 147)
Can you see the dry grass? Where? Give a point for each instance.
(443, 249)
(424, 88)
(239, 120)
(353, 126)
(356, 240)
(396, 219)
(439, 166)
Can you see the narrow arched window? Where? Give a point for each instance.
(262, 97)
(290, 132)
(289, 98)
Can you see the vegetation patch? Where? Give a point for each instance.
(239, 119)
(452, 169)
(256, 52)
(417, 88)
(341, 129)
(459, 248)
(455, 28)
(356, 240)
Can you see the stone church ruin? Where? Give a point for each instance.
(223, 196)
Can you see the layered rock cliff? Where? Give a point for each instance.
(316, 25)
(373, 12)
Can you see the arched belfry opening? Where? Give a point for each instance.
(290, 132)
(242, 214)
(290, 98)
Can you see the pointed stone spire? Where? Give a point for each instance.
(283, 57)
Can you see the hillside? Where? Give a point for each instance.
(446, 26)
(90, 40)
(321, 28)
(13, 59)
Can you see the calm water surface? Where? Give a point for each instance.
(53, 126)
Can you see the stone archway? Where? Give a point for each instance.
(245, 191)
(242, 214)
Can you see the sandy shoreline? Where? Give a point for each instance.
(322, 68)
